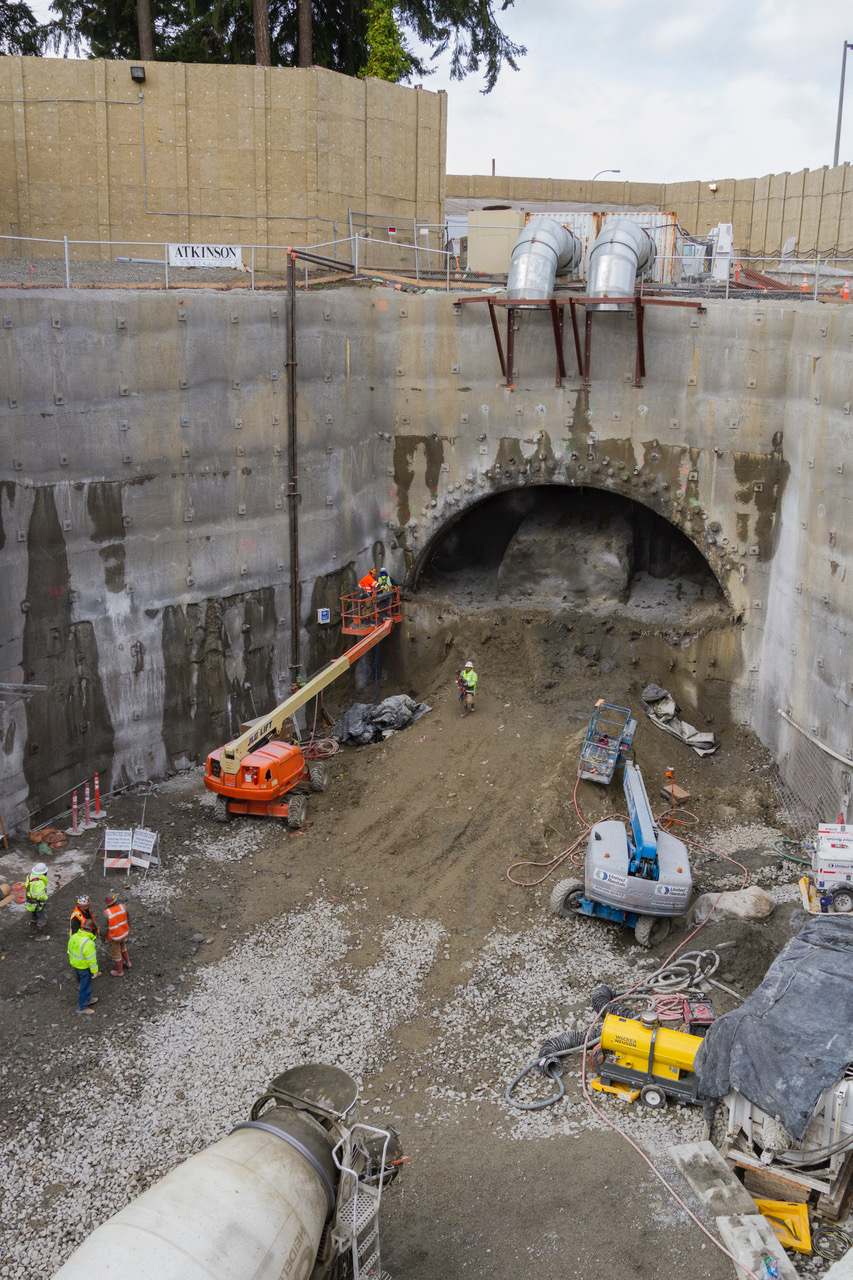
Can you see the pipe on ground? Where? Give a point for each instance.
(251, 1207)
(623, 251)
(544, 250)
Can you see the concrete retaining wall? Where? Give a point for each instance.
(143, 492)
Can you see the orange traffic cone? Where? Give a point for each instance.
(804, 287)
(845, 292)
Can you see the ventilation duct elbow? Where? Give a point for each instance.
(623, 252)
(543, 251)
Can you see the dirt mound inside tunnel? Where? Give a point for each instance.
(559, 556)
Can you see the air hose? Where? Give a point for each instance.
(549, 1062)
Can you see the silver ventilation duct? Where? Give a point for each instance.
(623, 251)
(544, 250)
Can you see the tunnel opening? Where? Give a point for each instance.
(590, 594)
(572, 549)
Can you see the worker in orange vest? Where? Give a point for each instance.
(118, 931)
(368, 582)
(81, 913)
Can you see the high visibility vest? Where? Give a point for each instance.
(81, 952)
(117, 925)
(469, 679)
(36, 891)
(383, 583)
(82, 916)
(368, 582)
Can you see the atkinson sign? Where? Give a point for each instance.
(205, 255)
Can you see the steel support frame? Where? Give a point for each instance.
(556, 307)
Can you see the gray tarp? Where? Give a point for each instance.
(366, 722)
(662, 709)
(793, 1037)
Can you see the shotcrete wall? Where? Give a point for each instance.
(144, 492)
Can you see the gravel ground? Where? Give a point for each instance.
(388, 940)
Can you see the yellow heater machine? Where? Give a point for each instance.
(648, 1059)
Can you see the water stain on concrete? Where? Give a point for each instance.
(69, 731)
(405, 448)
(203, 706)
(104, 504)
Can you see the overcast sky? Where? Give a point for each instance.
(664, 90)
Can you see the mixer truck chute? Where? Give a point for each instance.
(258, 773)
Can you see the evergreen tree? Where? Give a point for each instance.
(387, 56)
(20, 32)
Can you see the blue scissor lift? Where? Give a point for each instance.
(608, 740)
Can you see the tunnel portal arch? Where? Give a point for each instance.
(528, 497)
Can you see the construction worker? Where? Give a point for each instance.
(35, 887)
(84, 962)
(367, 583)
(118, 932)
(384, 582)
(81, 912)
(466, 679)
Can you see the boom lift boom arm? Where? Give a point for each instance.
(234, 752)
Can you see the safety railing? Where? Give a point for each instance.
(431, 261)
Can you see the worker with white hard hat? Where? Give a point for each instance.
(466, 679)
(35, 889)
(82, 912)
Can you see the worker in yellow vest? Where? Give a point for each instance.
(466, 681)
(35, 889)
(118, 932)
(84, 962)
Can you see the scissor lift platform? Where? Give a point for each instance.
(608, 739)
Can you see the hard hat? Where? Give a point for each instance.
(84, 900)
(88, 926)
(469, 666)
(39, 869)
(110, 899)
(383, 569)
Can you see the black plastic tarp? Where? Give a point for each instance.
(793, 1037)
(368, 722)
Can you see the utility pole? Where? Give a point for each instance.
(847, 45)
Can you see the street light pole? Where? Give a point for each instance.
(601, 171)
(847, 45)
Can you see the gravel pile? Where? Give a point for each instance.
(290, 994)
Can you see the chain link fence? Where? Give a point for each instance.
(409, 251)
(810, 783)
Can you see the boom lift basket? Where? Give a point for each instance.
(362, 612)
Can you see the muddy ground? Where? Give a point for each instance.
(420, 828)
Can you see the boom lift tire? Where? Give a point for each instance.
(563, 897)
(297, 812)
(650, 931)
(319, 775)
(220, 809)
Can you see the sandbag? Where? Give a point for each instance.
(751, 903)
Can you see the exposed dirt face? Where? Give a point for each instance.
(423, 827)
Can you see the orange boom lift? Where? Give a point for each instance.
(258, 773)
